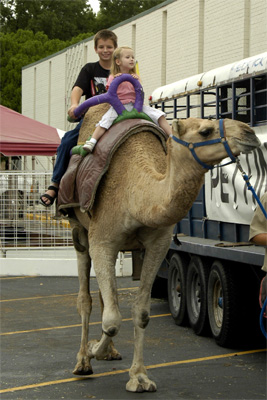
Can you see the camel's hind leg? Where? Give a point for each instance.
(84, 301)
(156, 250)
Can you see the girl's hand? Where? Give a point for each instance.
(135, 76)
(119, 74)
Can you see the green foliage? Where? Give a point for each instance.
(114, 11)
(34, 29)
(58, 19)
(20, 49)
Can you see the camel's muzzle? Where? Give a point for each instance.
(249, 144)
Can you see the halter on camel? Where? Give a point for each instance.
(222, 139)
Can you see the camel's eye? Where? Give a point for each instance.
(206, 132)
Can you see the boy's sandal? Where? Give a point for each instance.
(50, 198)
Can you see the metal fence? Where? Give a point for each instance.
(24, 223)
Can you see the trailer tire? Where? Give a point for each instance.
(196, 295)
(222, 305)
(177, 289)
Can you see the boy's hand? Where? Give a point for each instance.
(71, 111)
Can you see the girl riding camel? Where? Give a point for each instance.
(123, 62)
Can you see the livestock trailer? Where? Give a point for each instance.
(213, 272)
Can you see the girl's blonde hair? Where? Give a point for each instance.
(115, 69)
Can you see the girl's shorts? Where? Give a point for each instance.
(110, 116)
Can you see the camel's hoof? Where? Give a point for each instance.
(90, 346)
(113, 356)
(80, 371)
(83, 368)
(141, 384)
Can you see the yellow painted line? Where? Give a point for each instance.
(46, 329)
(239, 353)
(19, 277)
(159, 315)
(59, 295)
(39, 297)
(70, 326)
(123, 371)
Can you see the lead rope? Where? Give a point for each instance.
(250, 187)
(262, 318)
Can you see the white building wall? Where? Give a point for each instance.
(57, 91)
(258, 27)
(148, 49)
(27, 93)
(42, 91)
(184, 40)
(224, 32)
(173, 41)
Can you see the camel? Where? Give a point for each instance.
(142, 196)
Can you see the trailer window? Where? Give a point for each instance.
(244, 100)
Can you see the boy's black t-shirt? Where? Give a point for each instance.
(92, 79)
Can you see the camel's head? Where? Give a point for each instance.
(195, 132)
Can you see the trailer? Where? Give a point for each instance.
(213, 273)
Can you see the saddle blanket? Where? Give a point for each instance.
(79, 184)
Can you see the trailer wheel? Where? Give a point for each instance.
(177, 289)
(222, 305)
(196, 298)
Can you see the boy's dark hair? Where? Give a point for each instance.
(106, 34)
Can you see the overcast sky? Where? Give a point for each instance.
(95, 5)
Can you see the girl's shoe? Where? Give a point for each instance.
(89, 146)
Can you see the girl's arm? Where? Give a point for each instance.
(137, 77)
(133, 75)
(110, 79)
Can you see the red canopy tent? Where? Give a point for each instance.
(23, 136)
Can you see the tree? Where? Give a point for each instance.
(58, 19)
(114, 11)
(34, 29)
(20, 49)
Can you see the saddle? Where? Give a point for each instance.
(79, 184)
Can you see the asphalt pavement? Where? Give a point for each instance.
(40, 337)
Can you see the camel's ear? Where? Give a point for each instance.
(178, 127)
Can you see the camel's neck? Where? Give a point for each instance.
(180, 186)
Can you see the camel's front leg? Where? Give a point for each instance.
(113, 354)
(104, 266)
(139, 381)
(156, 250)
(84, 301)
